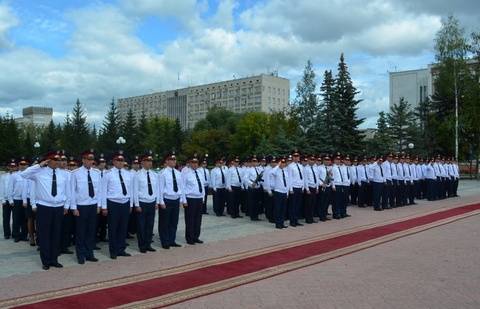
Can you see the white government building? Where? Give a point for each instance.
(415, 86)
(36, 116)
(264, 92)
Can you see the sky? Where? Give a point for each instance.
(54, 51)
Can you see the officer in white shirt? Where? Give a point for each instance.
(234, 188)
(101, 219)
(419, 179)
(296, 174)
(17, 186)
(117, 204)
(362, 181)
(431, 178)
(279, 186)
(132, 219)
(86, 201)
(52, 197)
(325, 177)
(194, 186)
(354, 183)
(402, 195)
(338, 187)
(311, 185)
(456, 172)
(387, 193)
(218, 180)
(146, 201)
(205, 174)
(268, 199)
(172, 194)
(378, 182)
(6, 206)
(253, 179)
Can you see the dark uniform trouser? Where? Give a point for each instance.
(145, 222)
(168, 222)
(431, 194)
(369, 194)
(311, 200)
(132, 223)
(411, 192)
(268, 204)
(243, 200)
(377, 188)
(279, 207)
(325, 200)
(118, 214)
(401, 193)
(49, 233)
(68, 230)
(101, 227)
(386, 194)
(252, 203)
(394, 193)
(233, 202)
(19, 226)
(455, 187)
(354, 194)
(339, 200)
(204, 202)
(193, 219)
(418, 191)
(362, 194)
(85, 230)
(296, 201)
(219, 201)
(390, 193)
(7, 214)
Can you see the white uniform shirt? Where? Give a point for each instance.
(42, 176)
(311, 179)
(16, 186)
(190, 184)
(296, 174)
(79, 183)
(217, 181)
(166, 190)
(233, 177)
(140, 187)
(377, 173)
(279, 180)
(205, 174)
(112, 187)
(387, 171)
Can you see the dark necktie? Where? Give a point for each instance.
(365, 168)
(381, 170)
(356, 174)
(340, 172)
(124, 189)
(175, 185)
(205, 174)
(101, 174)
(348, 173)
(314, 177)
(238, 174)
(91, 193)
(223, 176)
(284, 180)
(198, 182)
(54, 184)
(299, 173)
(149, 182)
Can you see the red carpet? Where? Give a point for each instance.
(147, 289)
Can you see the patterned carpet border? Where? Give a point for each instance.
(204, 289)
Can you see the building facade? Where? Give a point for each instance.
(266, 93)
(35, 115)
(415, 86)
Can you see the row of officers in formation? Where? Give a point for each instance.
(54, 203)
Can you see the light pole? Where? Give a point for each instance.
(456, 108)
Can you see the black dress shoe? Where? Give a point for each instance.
(66, 251)
(124, 254)
(279, 227)
(113, 256)
(190, 242)
(151, 249)
(92, 259)
(323, 219)
(256, 219)
(143, 250)
(45, 267)
(81, 261)
(198, 241)
(337, 217)
(56, 265)
(165, 247)
(298, 224)
(175, 245)
(239, 216)
(96, 248)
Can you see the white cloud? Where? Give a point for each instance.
(8, 20)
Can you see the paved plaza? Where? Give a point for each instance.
(437, 268)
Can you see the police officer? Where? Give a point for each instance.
(378, 182)
(86, 204)
(362, 181)
(101, 219)
(17, 186)
(172, 194)
(6, 205)
(253, 179)
(311, 185)
(234, 187)
(146, 201)
(52, 200)
(194, 186)
(297, 188)
(218, 183)
(205, 173)
(279, 186)
(117, 204)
